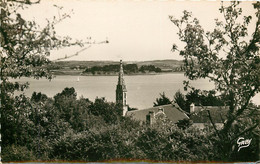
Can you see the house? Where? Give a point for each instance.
(200, 115)
(171, 111)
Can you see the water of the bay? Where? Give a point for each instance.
(142, 90)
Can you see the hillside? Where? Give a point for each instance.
(163, 64)
(76, 67)
(83, 63)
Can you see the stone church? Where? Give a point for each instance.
(171, 111)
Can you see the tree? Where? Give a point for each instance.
(162, 100)
(37, 97)
(130, 68)
(205, 98)
(181, 100)
(149, 68)
(227, 58)
(72, 110)
(25, 45)
(110, 112)
(199, 98)
(184, 124)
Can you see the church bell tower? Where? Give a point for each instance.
(121, 90)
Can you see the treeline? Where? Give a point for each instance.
(70, 129)
(99, 68)
(40, 128)
(196, 96)
(128, 69)
(67, 128)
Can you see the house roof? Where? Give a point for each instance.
(172, 111)
(218, 114)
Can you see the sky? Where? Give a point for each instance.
(136, 30)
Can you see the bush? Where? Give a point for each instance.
(107, 143)
(17, 153)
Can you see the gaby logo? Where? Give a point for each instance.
(242, 143)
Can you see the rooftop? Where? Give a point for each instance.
(218, 114)
(172, 111)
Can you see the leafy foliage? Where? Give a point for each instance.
(162, 100)
(199, 98)
(110, 112)
(25, 47)
(227, 58)
(17, 153)
(128, 69)
(158, 143)
(181, 100)
(149, 68)
(97, 132)
(183, 124)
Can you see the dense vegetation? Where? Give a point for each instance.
(128, 69)
(67, 128)
(82, 65)
(199, 98)
(111, 67)
(229, 56)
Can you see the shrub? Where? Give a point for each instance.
(15, 153)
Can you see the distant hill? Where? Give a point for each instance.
(81, 67)
(83, 63)
(163, 64)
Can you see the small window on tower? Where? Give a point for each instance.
(125, 95)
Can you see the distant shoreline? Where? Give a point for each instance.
(109, 68)
(135, 74)
(116, 74)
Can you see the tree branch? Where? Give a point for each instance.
(213, 124)
(29, 2)
(240, 111)
(247, 130)
(253, 41)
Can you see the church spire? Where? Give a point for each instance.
(121, 75)
(121, 89)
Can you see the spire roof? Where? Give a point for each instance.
(121, 75)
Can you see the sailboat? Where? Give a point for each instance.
(78, 79)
